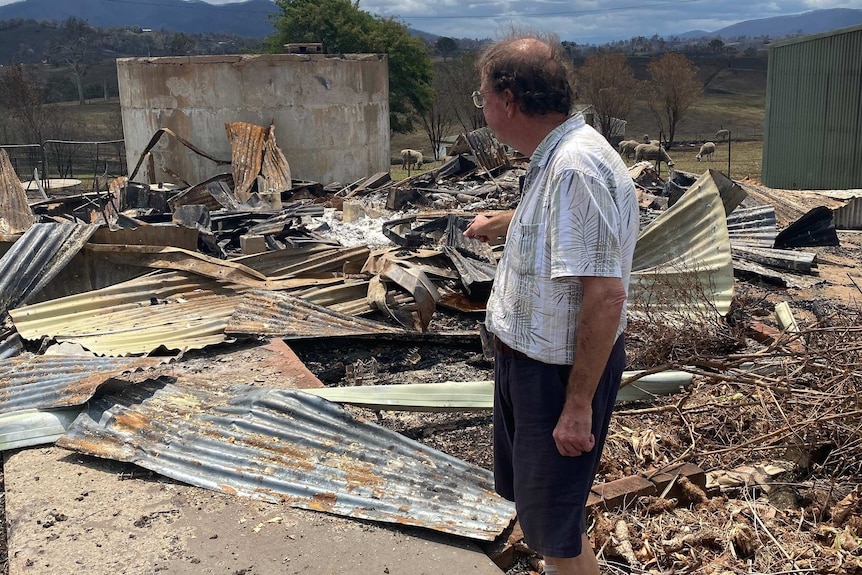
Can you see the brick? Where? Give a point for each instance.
(663, 477)
(252, 244)
(621, 492)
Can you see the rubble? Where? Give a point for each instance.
(379, 269)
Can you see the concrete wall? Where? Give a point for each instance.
(331, 113)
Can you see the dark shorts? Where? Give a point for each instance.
(549, 490)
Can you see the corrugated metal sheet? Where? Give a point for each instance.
(57, 381)
(274, 168)
(289, 317)
(10, 343)
(752, 226)
(246, 144)
(36, 258)
(850, 216)
(35, 427)
(813, 131)
(685, 250)
(289, 446)
(177, 310)
(478, 395)
(307, 260)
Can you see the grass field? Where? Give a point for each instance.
(742, 114)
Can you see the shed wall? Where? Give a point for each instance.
(331, 113)
(813, 133)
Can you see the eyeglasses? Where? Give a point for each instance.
(478, 99)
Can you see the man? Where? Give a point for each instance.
(557, 308)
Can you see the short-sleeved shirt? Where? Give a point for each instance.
(578, 216)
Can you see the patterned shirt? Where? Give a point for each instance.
(578, 216)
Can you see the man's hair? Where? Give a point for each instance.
(534, 68)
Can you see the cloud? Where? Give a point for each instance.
(586, 21)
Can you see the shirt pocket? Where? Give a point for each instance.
(525, 258)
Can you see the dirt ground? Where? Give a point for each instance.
(719, 423)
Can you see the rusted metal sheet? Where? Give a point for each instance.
(57, 381)
(15, 214)
(349, 297)
(685, 250)
(246, 144)
(291, 447)
(274, 169)
(36, 258)
(289, 317)
(176, 310)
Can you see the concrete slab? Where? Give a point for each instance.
(68, 513)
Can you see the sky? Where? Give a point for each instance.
(581, 21)
(584, 21)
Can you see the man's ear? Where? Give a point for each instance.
(508, 102)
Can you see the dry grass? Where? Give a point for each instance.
(742, 114)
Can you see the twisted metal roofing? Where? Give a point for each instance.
(685, 250)
(36, 258)
(289, 446)
(57, 381)
(177, 310)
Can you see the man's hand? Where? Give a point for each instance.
(478, 228)
(486, 227)
(573, 433)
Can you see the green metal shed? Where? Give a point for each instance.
(813, 132)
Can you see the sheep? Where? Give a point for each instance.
(706, 150)
(627, 148)
(411, 157)
(651, 152)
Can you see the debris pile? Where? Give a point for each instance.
(138, 276)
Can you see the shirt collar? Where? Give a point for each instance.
(549, 143)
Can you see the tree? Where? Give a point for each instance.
(673, 88)
(446, 46)
(459, 80)
(79, 47)
(342, 27)
(716, 45)
(437, 119)
(608, 83)
(21, 98)
(180, 44)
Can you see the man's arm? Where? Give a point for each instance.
(599, 318)
(488, 226)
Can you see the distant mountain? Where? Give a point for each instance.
(250, 19)
(780, 26)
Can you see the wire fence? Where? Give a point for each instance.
(69, 164)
